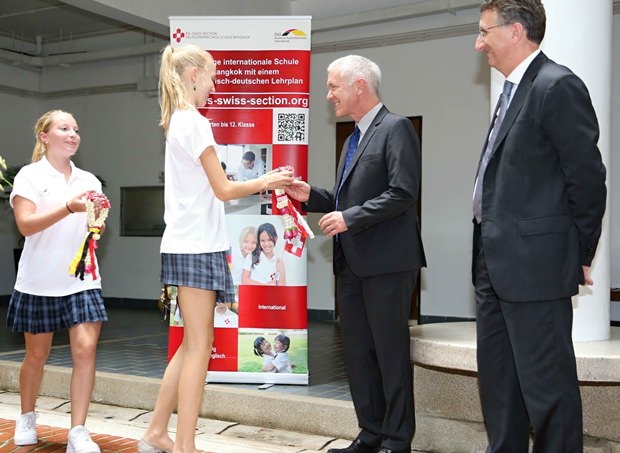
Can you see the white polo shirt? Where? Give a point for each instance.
(228, 319)
(282, 362)
(264, 270)
(194, 216)
(44, 264)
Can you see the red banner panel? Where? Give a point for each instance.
(281, 307)
(224, 351)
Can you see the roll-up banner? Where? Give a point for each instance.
(259, 116)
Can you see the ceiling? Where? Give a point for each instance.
(31, 30)
(50, 21)
(39, 33)
(56, 20)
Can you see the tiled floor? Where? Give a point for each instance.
(135, 342)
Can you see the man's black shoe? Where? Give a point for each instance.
(357, 446)
(386, 450)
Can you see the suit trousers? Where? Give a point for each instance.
(526, 371)
(374, 320)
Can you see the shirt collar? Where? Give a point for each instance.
(365, 121)
(49, 168)
(517, 74)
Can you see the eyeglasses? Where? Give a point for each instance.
(482, 33)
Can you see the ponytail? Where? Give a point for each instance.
(172, 91)
(43, 124)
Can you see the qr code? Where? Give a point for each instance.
(291, 126)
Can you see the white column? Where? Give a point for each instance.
(579, 36)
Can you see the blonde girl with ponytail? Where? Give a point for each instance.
(48, 199)
(194, 244)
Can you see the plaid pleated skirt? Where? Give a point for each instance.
(43, 314)
(208, 271)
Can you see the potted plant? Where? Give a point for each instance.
(7, 175)
(3, 176)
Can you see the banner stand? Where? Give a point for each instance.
(259, 116)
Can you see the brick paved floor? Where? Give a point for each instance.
(55, 440)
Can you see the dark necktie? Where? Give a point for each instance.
(353, 142)
(502, 104)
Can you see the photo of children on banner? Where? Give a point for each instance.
(272, 352)
(251, 167)
(244, 162)
(247, 244)
(262, 348)
(224, 316)
(262, 266)
(275, 360)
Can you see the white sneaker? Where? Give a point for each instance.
(80, 441)
(26, 429)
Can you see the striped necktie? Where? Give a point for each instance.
(502, 104)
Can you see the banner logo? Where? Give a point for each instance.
(289, 35)
(178, 35)
(295, 32)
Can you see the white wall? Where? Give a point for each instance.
(121, 143)
(16, 120)
(445, 81)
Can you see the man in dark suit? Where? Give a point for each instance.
(538, 206)
(371, 214)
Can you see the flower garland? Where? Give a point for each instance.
(296, 230)
(97, 208)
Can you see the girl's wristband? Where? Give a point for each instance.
(68, 208)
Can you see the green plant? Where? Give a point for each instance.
(3, 171)
(7, 175)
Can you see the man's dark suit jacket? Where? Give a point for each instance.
(544, 188)
(378, 200)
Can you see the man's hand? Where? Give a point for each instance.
(586, 276)
(299, 190)
(333, 223)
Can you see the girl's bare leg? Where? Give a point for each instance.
(83, 338)
(183, 381)
(197, 307)
(31, 372)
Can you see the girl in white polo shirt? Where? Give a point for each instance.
(48, 199)
(194, 244)
(262, 266)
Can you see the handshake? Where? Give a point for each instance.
(283, 178)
